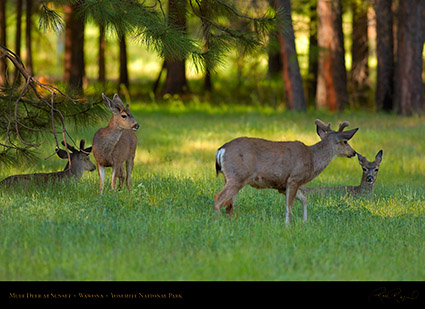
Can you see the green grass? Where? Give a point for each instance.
(165, 228)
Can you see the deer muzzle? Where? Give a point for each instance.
(135, 127)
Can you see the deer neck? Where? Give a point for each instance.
(114, 132)
(322, 154)
(366, 187)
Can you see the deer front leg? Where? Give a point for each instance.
(129, 166)
(101, 171)
(303, 199)
(291, 192)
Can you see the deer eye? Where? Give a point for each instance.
(376, 170)
(124, 116)
(364, 169)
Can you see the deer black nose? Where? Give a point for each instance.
(136, 127)
(369, 179)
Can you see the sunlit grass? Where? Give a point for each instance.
(164, 229)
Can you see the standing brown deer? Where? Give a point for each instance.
(370, 172)
(284, 166)
(80, 162)
(116, 144)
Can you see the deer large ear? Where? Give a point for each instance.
(118, 102)
(320, 132)
(346, 135)
(361, 158)
(378, 157)
(62, 154)
(113, 105)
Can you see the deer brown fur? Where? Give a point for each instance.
(369, 175)
(80, 162)
(116, 144)
(284, 166)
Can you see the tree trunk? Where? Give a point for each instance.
(18, 35)
(360, 52)
(74, 49)
(175, 81)
(313, 54)
(409, 86)
(332, 74)
(385, 55)
(294, 91)
(3, 66)
(123, 78)
(101, 57)
(28, 39)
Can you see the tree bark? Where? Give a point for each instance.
(28, 39)
(123, 78)
(175, 81)
(385, 55)
(3, 65)
(332, 74)
(360, 51)
(409, 85)
(74, 49)
(294, 90)
(313, 54)
(101, 56)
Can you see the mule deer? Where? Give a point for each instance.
(370, 172)
(80, 162)
(284, 166)
(116, 144)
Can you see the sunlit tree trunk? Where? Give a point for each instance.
(123, 78)
(313, 54)
(28, 38)
(332, 74)
(101, 56)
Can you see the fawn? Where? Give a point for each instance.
(116, 144)
(80, 162)
(370, 172)
(284, 166)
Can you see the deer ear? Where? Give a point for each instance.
(378, 157)
(361, 158)
(320, 132)
(118, 102)
(62, 154)
(346, 135)
(88, 150)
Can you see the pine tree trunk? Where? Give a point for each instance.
(385, 55)
(123, 78)
(175, 81)
(101, 56)
(360, 52)
(332, 74)
(74, 49)
(28, 39)
(294, 91)
(3, 66)
(409, 85)
(313, 54)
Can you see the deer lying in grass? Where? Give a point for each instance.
(370, 172)
(284, 166)
(116, 144)
(80, 162)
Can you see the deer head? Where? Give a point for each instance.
(370, 169)
(80, 161)
(122, 118)
(337, 139)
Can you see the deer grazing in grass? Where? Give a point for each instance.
(116, 144)
(284, 166)
(80, 162)
(370, 172)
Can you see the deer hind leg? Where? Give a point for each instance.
(225, 198)
(121, 177)
(303, 199)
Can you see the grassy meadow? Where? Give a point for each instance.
(164, 229)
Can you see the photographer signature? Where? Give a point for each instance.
(385, 295)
